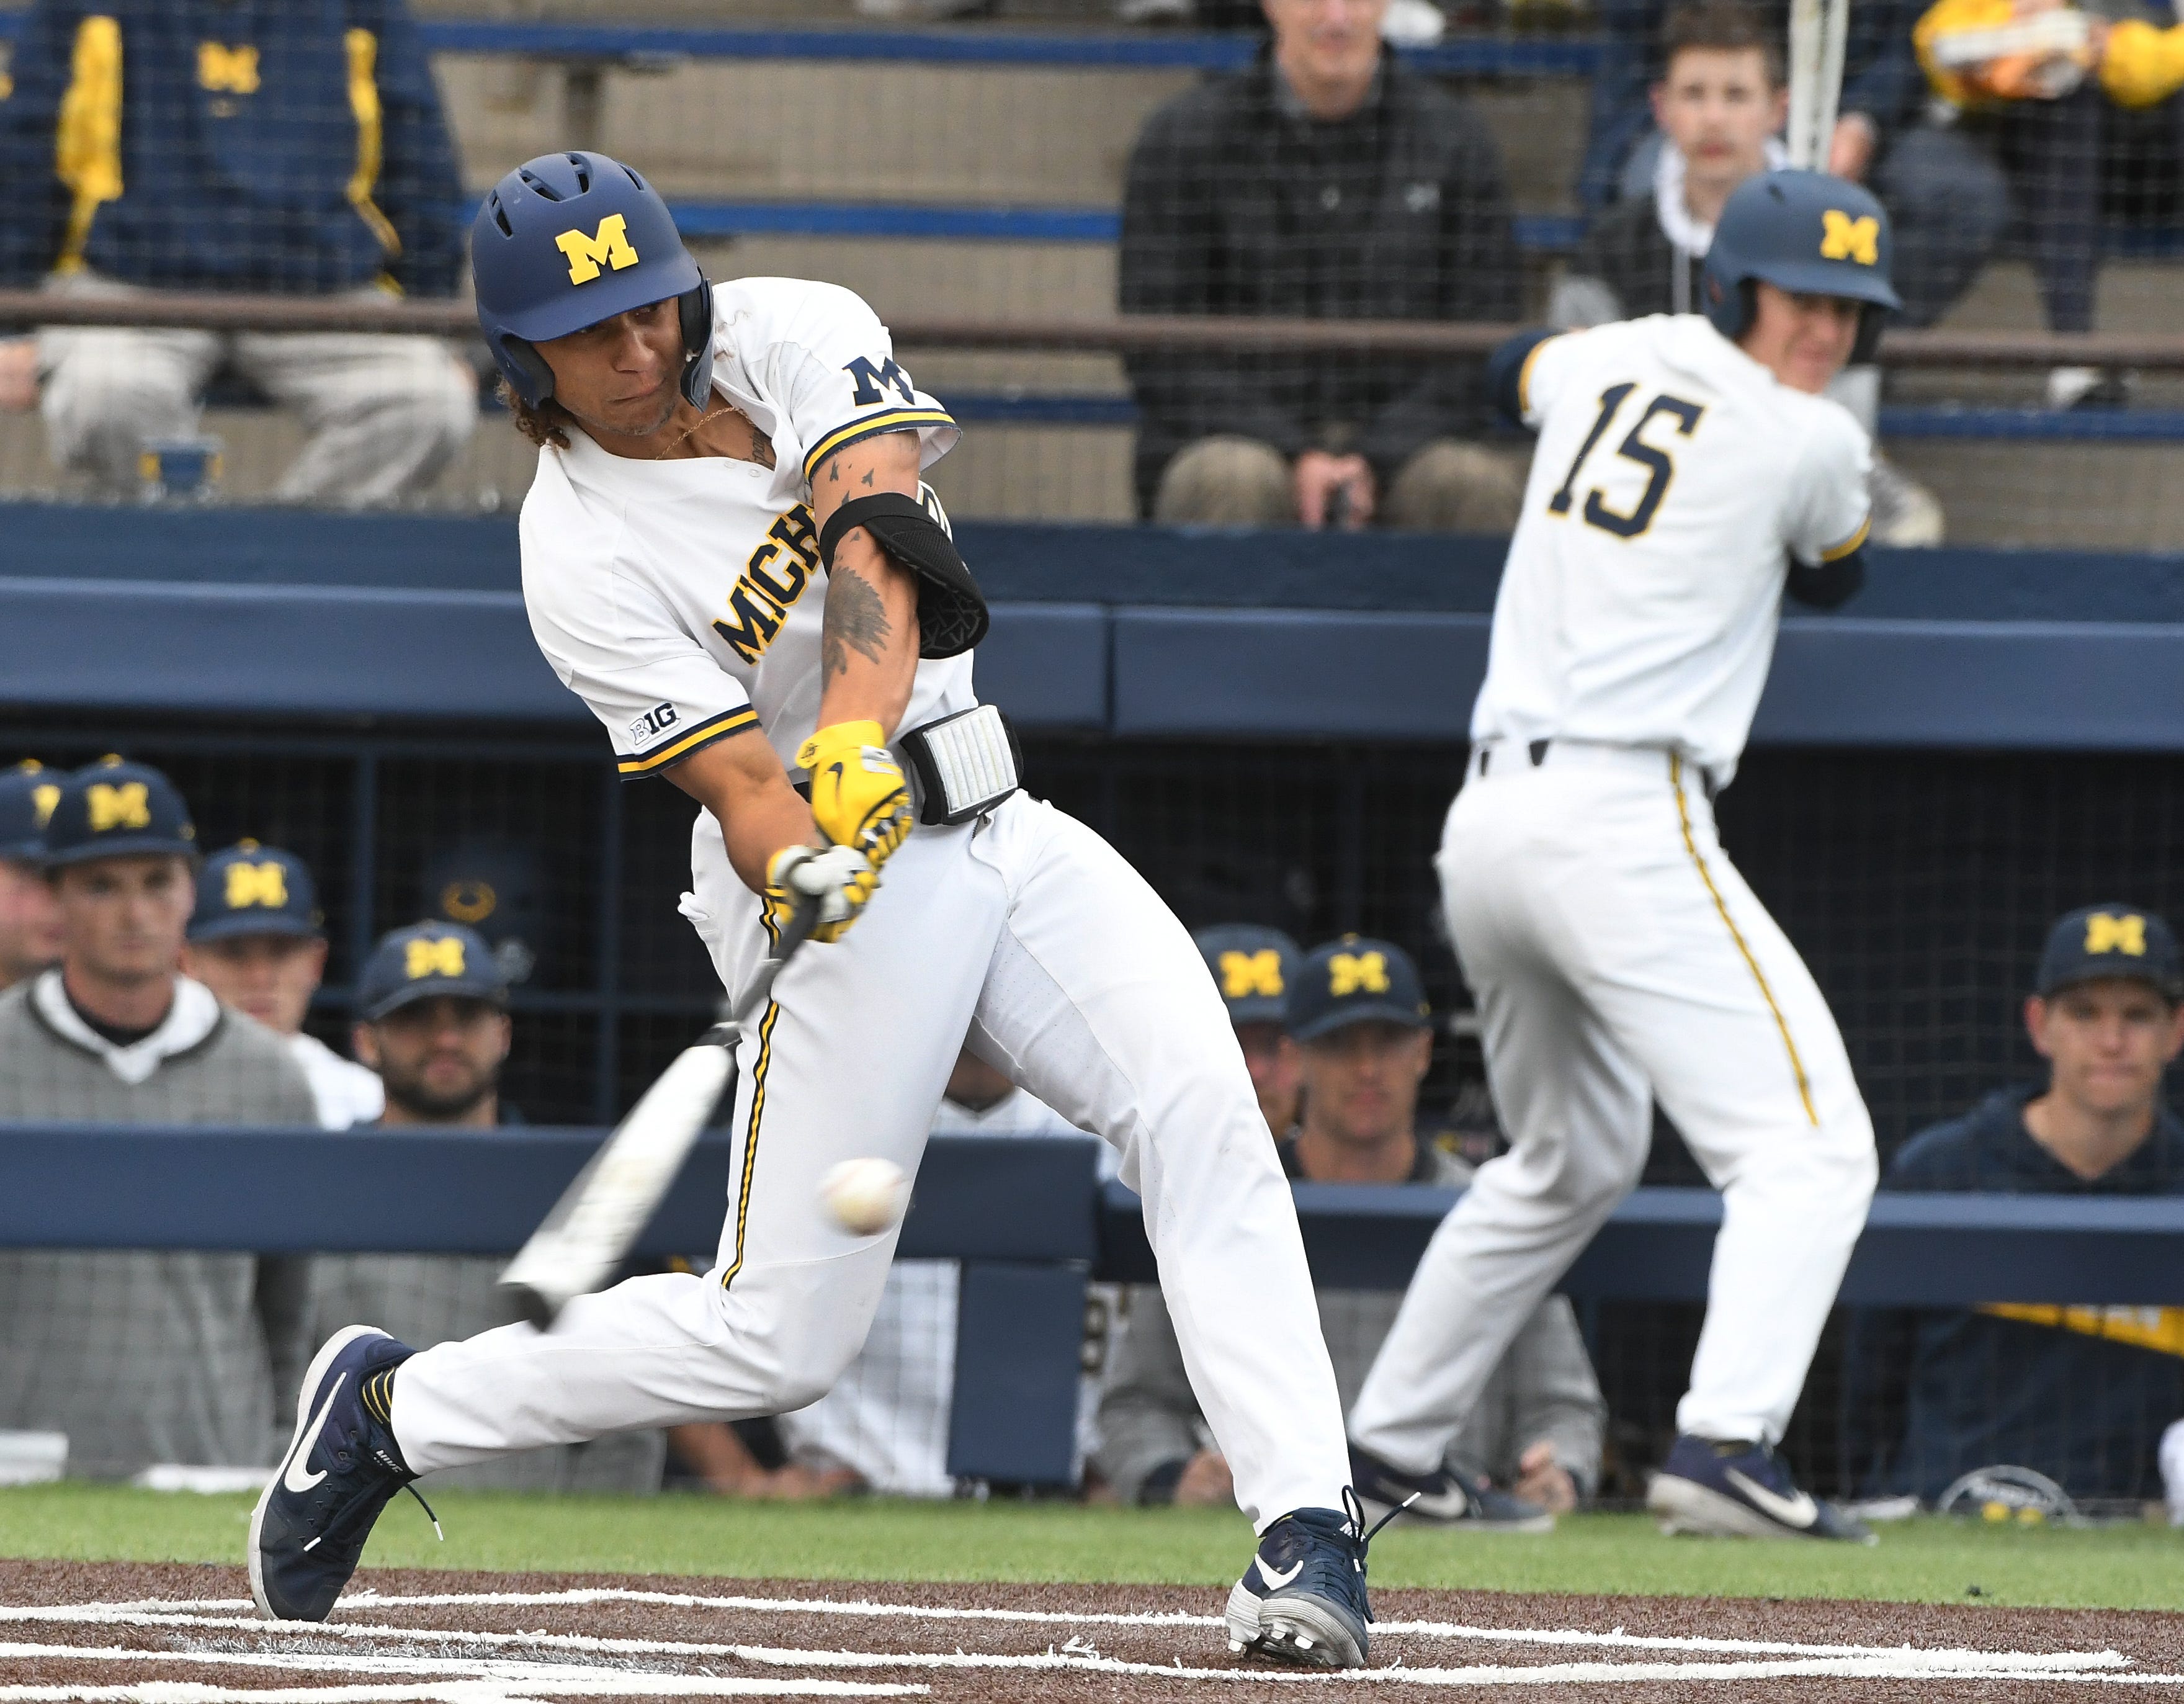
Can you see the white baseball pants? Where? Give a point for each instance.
(1030, 934)
(1616, 956)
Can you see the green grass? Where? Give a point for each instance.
(1927, 1560)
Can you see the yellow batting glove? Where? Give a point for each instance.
(858, 798)
(837, 880)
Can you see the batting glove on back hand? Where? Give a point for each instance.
(837, 878)
(858, 798)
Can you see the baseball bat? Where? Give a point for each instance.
(579, 1246)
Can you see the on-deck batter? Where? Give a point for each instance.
(675, 569)
(1686, 466)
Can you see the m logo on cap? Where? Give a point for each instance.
(225, 70)
(1246, 974)
(2124, 934)
(440, 958)
(608, 246)
(113, 807)
(1350, 973)
(256, 884)
(1845, 238)
(42, 800)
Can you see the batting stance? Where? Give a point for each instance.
(1688, 472)
(728, 554)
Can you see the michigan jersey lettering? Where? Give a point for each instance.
(874, 380)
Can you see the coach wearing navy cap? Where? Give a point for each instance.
(140, 1357)
(2089, 1389)
(29, 923)
(1255, 968)
(1532, 1447)
(258, 940)
(433, 1020)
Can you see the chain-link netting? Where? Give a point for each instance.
(1918, 887)
(1056, 166)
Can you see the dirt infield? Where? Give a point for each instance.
(176, 1634)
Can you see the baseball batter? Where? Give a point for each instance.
(1687, 469)
(728, 554)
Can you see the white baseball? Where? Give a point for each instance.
(865, 1196)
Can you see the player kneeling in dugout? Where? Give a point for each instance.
(1531, 1447)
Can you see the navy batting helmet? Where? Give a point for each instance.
(1806, 232)
(567, 240)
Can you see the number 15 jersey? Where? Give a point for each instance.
(1673, 477)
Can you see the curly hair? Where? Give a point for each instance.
(544, 424)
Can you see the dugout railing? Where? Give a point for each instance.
(1028, 1220)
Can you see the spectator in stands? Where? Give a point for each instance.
(1256, 968)
(884, 1426)
(2014, 126)
(2080, 1394)
(1327, 182)
(258, 940)
(432, 1020)
(140, 1357)
(282, 150)
(1358, 1012)
(30, 921)
(1719, 102)
(1881, 86)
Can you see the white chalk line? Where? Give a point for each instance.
(580, 1596)
(565, 1680)
(430, 1692)
(1876, 1662)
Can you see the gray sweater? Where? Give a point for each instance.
(144, 1356)
(1543, 1389)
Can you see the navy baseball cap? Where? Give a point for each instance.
(426, 960)
(111, 809)
(1356, 980)
(28, 793)
(251, 889)
(2096, 941)
(1254, 967)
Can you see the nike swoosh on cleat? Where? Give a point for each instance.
(296, 1480)
(1799, 1512)
(1275, 1581)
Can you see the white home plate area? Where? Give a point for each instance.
(479, 1646)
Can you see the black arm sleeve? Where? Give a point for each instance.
(1825, 585)
(1505, 373)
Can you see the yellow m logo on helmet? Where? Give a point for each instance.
(440, 958)
(256, 884)
(608, 246)
(1845, 238)
(113, 807)
(1350, 973)
(2124, 934)
(43, 798)
(1246, 974)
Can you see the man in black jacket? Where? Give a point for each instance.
(2080, 1394)
(1324, 182)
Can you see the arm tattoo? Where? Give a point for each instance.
(855, 616)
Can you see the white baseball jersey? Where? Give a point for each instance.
(1644, 585)
(683, 599)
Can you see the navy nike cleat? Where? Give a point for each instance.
(1740, 1490)
(1444, 1497)
(341, 1467)
(1302, 1599)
